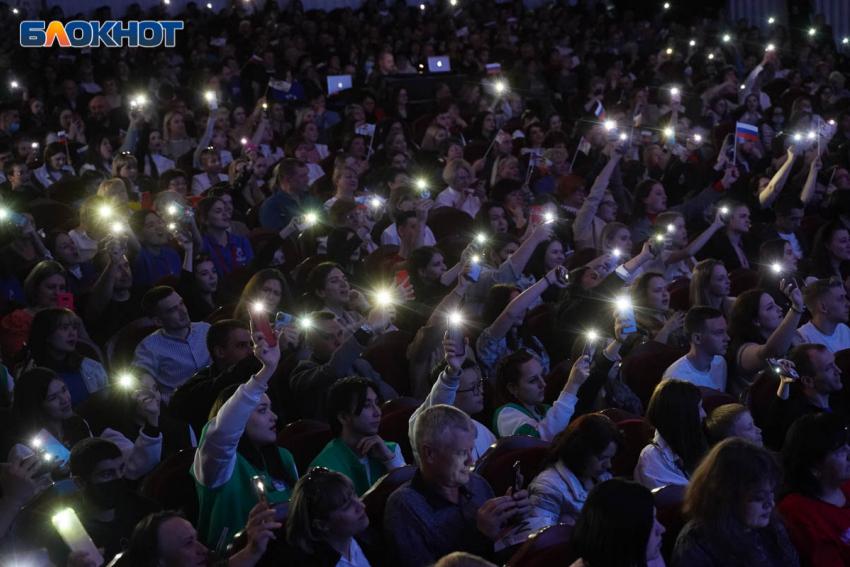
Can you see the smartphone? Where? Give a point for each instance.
(74, 534)
(455, 330)
(783, 367)
(15, 218)
(476, 271)
(260, 322)
(45, 464)
(281, 320)
(627, 314)
(536, 214)
(615, 260)
(65, 300)
(589, 346)
(561, 275)
(517, 477)
(46, 442)
(258, 483)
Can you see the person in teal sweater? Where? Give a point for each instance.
(238, 444)
(357, 451)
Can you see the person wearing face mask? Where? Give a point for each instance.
(816, 459)
(227, 250)
(105, 505)
(519, 394)
(617, 527)
(579, 459)
(760, 332)
(445, 507)
(236, 445)
(333, 356)
(357, 451)
(730, 506)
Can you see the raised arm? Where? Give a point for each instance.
(753, 357)
(697, 243)
(516, 309)
(102, 291)
(811, 181)
(520, 258)
(585, 215)
(774, 188)
(204, 142)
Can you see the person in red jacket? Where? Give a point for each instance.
(816, 457)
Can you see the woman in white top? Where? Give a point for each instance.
(55, 165)
(459, 194)
(345, 184)
(675, 411)
(154, 160)
(678, 254)
(211, 164)
(309, 136)
(176, 141)
(578, 460)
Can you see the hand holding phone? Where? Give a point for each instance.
(260, 322)
(75, 536)
(258, 483)
(627, 314)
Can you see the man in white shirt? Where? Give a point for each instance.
(827, 301)
(704, 364)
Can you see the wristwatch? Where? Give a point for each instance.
(364, 334)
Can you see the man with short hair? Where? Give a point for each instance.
(292, 198)
(445, 507)
(789, 214)
(18, 188)
(230, 347)
(176, 351)
(332, 358)
(10, 121)
(105, 505)
(167, 539)
(357, 451)
(113, 301)
(811, 393)
(827, 301)
(704, 364)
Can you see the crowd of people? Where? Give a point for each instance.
(201, 245)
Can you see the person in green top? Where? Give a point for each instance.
(238, 444)
(357, 451)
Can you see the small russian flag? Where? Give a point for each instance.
(746, 131)
(541, 163)
(493, 68)
(63, 138)
(584, 146)
(600, 112)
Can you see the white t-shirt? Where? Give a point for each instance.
(390, 236)
(684, 370)
(356, 557)
(838, 340)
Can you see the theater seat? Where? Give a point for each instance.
(496, 465)
(121, 346)
(388, 356)
(376, 497)
(549, 546)
(305, 439)
(223, 312)
(302, 270)
(52, 215)
(395, 417)
(713, 399)
(447, 221)
(842, 361)
(617, 415)
(89, 350)
(96, 410)
(637, 434)
(759, 396)
(642, 371)
(668, 503)
(742, 280)
(171, 485)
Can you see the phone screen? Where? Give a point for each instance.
(261, 324)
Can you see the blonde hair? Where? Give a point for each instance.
(555, 153)
(111, 187)
(338, 171)
(315, 496)
(501, 162)
(233, 168)
(429, 141)
(122, 160)
(608, 232)
(166, 131)
(450, 171)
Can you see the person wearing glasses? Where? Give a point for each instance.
(457, 382)
(327, 523)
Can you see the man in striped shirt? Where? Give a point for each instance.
(175, 352)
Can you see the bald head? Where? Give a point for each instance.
(98, 107)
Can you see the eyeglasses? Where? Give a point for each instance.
(476, 389)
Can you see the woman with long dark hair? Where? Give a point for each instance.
(227, 250)
(710, 286)
(831, 252)
(52, 344)
(759, 331)
(653, 317)
(579, 459)
(730, 506)
(675, 411)
(617, 528)
(238, 444)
